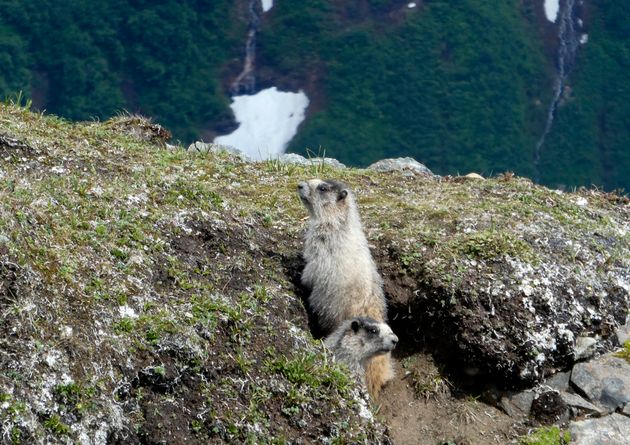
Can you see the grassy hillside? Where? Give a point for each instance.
(150, 295)
(461, 86)
(143, 297)
(457, 86)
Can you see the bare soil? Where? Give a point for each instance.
(421, 407)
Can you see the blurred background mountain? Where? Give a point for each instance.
(466, 85)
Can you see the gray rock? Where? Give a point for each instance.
(475, 176)
(400, 164)
(559, 381)
(581, 405)
(623, 332)
(609, 430)
(605, 381)
(293, 158)
(206, 147)
(584, 347)
(626, 410)
(517, 405)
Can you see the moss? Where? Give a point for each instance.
(625, 351)
(547, 436)
(491, 244)
(55, 425)
(75, 398)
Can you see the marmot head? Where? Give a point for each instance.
(361, 338)
(325, 199)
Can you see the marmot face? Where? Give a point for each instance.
(323, 199)
(359, 339)
(371, 337)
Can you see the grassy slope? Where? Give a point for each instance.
(460, 86)
(145, 288)
(139, 279)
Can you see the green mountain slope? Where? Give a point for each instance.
(455, 85)
(84, 59)
(461, 86)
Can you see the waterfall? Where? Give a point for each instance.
(267, 119)
(568, 43)
(245, 82)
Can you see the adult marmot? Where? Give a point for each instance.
(359, 339)
(339, 268)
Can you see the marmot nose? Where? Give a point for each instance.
(394, 340)
(301, 185)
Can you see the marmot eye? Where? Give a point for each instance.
(373, 330)
(322, 188)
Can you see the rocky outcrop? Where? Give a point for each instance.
(598, 389)
(516, 291)
(296, 159)
(611, 430)
(605, 381)
(400, 164)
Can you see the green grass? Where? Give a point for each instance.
(55, 425)
(625, 351)
(547, 436)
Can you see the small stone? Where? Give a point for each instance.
(605, 381)
(559, 381)
(626, 409)
(294, 158)
(400, 164)
(575, 401)
(517, 405)
(584, 347)
(204, 147)
(608, 430)
(549, 407)
(474, 176)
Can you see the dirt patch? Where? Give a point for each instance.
(8, 279)
(14, 149)
(420, 406)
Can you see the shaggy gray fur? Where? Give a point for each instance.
(339, 271)
(357, 340)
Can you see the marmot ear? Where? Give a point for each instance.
(355, 326)
(342, 195)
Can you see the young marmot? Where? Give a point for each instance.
(359, 339)
(339, 270)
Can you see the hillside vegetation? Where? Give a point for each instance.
(144, 296)
(83, 59)
(150, 294)
(462, 86)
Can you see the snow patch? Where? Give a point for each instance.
(551, 9)
(266, 5)
(411, 5)
(268, 121)
(583, 39)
